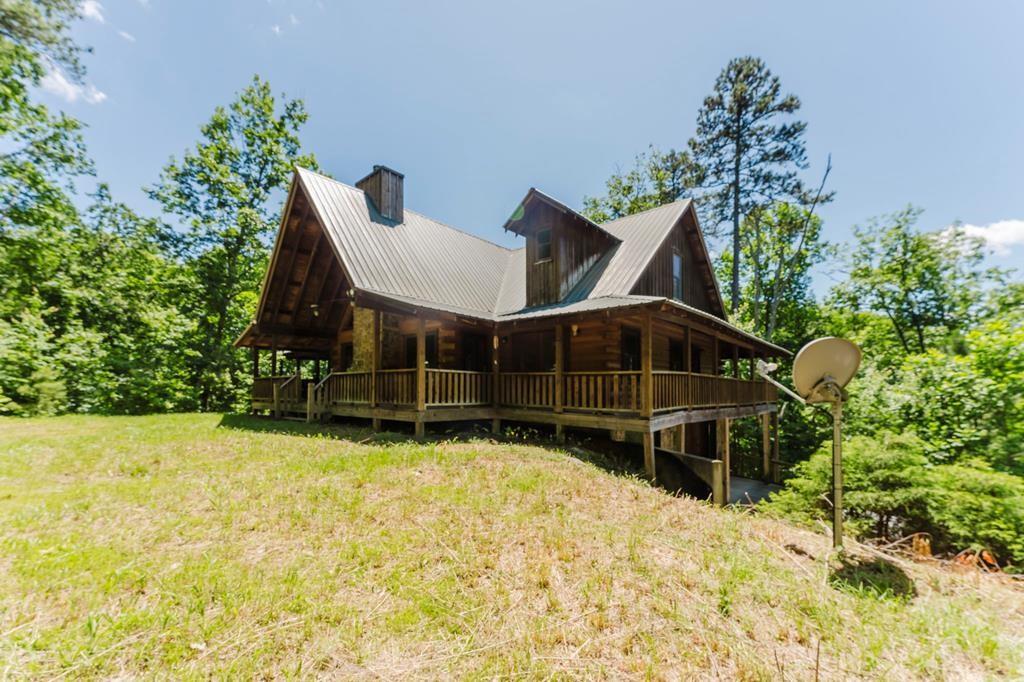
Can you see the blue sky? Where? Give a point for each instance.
(918, 102)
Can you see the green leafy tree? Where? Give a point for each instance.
(930, 286)
(224, 192)
(891, 490)
(657, 178)
(781, 243)
(90, 318)
(963, 403)
(42, 28)
(40, 152)
(746, 150)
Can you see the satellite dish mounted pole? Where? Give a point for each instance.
(821, 370)
(830, 391)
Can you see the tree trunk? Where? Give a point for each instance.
(735, 300)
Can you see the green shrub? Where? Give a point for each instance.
(891, 490)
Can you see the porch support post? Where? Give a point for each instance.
(689, 368)
(722, 453)
(559, 384)
(775, 447)
(673, 438)
(766, 448)
(717, 484)
(255, 362)
(646, 366)
(649, 468)
(309, 403)
(559, 433)
(495, 379)
(374, 359)
(735, 361)
(273, 357)
(277, 401)
(421, 375)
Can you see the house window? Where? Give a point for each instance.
(544, 245)
(677, 275)
(630, 349)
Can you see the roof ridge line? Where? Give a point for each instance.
(647, 210)
(422, 215)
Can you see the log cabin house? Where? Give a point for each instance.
(395, 316)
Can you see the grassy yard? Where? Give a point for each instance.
(188, 546)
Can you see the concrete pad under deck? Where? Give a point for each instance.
(750, 491)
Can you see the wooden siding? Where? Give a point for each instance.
(385, 188)
(656, 280)
(575, 247)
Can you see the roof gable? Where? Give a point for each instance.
(419, 257)
(428, 261)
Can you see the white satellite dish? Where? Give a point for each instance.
(830, 360)
(821, 370)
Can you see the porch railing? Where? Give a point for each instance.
(396, 386)
(602, 391)
(681, 390)
(455, 387)
(345, 388)
(527, 389)
(581, 391)
(263, 387)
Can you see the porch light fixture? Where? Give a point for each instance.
(575, 329)
(821, 371)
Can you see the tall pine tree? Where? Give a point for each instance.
(745, 153)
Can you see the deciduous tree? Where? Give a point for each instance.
(223, 191)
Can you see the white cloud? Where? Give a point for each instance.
(276, 29)
(92, 9)
(56, 83)
(127, 36)
(1000, 236)
(293, 20)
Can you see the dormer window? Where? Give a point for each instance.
(543, 245)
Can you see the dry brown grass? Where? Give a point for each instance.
(166, 546)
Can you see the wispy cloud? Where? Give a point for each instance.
(92, 9)
(1000, 236)
(276, 29)
(127, 36)
(56, 83)
(293, 20)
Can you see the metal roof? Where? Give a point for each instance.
(536, 194)
(424, 263)
(419, 257)
(641, 235)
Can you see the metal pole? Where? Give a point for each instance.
(837, 474)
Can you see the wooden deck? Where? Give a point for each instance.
(614, 400)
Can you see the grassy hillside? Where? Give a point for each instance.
(187, 546)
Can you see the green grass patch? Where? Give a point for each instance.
(199, 545)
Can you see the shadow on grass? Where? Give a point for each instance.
(337, 431)
(874, 577)
(621, 459)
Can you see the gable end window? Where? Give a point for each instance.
(544, 245)
(677, 276)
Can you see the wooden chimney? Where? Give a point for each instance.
(384, 187)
